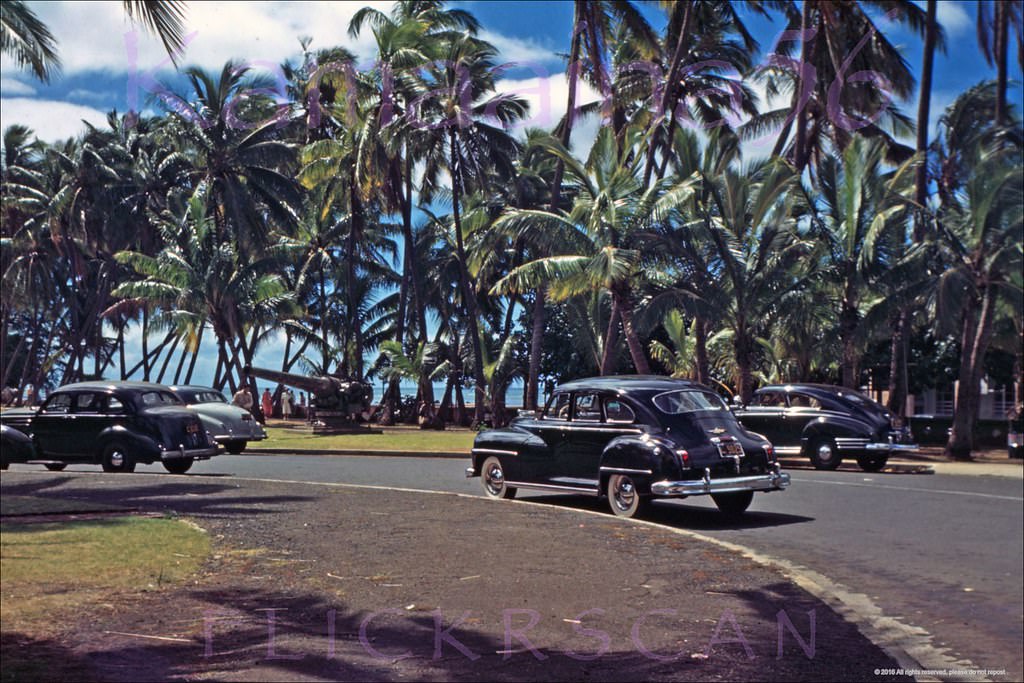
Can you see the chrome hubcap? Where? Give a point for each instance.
(494, 478)
(117, 459)
(623, 493)
(825, 452)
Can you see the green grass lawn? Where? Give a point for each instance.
(416, 440)
(56, 575)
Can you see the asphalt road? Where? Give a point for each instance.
(940, 554)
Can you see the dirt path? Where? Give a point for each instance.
(342, 583)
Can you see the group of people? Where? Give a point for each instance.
(289, 407)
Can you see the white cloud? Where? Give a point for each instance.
(523, 52)
(547, 95)
(258, 32)
(9, 87)
(953, 18)
(51, 120)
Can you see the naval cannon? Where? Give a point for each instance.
(338, 402)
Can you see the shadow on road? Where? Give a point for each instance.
(680, 516)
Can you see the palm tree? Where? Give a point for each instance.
(596, 245)
(858, 211)
(472, 146)
(994, 22)
(841, 42)
(30, 43)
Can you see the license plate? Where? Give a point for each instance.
(730, 448)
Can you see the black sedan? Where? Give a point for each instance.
(630, 439)
(114, 424)
(826, 423)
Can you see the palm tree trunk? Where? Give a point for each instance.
(1002, 38)
(536, 342)
(701, 350)
(976, 339)
(743, 347)
(636, 349)
(611, 340)
(923, 108)
(468, 293)
(898, 389)
(669, 97)
(800, 146)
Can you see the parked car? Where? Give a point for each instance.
(114, 424)
(15, 447)
(629, 439)
(826, 424)
(231, 426)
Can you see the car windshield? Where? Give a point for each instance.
(158, 398)
(687, 401)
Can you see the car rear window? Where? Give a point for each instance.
(157, 398)
(687, 401)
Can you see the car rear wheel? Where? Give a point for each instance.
(824, 454)
(178, 466)
(623, 496)
(235, 447)
(872, 463)
(56, 466)
(116, 459)
(733, 503)
(492, 475)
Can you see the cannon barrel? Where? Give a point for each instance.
(346, 397)
(320, 386)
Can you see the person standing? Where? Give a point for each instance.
(268, 403)
(242, 399)
(286, 403)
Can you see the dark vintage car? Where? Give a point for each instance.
(114, 424)
(15, 446)
(230, 426)
(825, 423)
(630, 439)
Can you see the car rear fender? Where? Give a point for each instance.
(506, 442)
(142, 448)
(643, 457)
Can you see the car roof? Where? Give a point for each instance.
(628, 383)
(113, 385)
(190, 387)
(809, 387)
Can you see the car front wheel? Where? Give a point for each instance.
(824, 454)
(116, 459)
(178, 466)
(492, 475)
(623, 497)
(733, 503)
(235, 447)
(872, 463)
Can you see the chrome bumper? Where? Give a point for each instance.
(194, 453)
(772, 481)
(891, 447)
(470, 472)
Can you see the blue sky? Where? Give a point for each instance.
(107, 60)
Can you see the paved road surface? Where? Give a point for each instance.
(939, 552)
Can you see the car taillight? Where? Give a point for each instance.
(769, 451)
(684, 458)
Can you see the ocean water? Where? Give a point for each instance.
(513, 397)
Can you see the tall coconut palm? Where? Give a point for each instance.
(995, 19)
(472, 145)
(859, 212)
(596, 244)
(832, 99)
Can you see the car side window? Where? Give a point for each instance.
(770, 399)
(114, 406)
(59, 404)
(588, 408)
(618, 412)
(558, 409)
(86, 403)
(804, 401)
